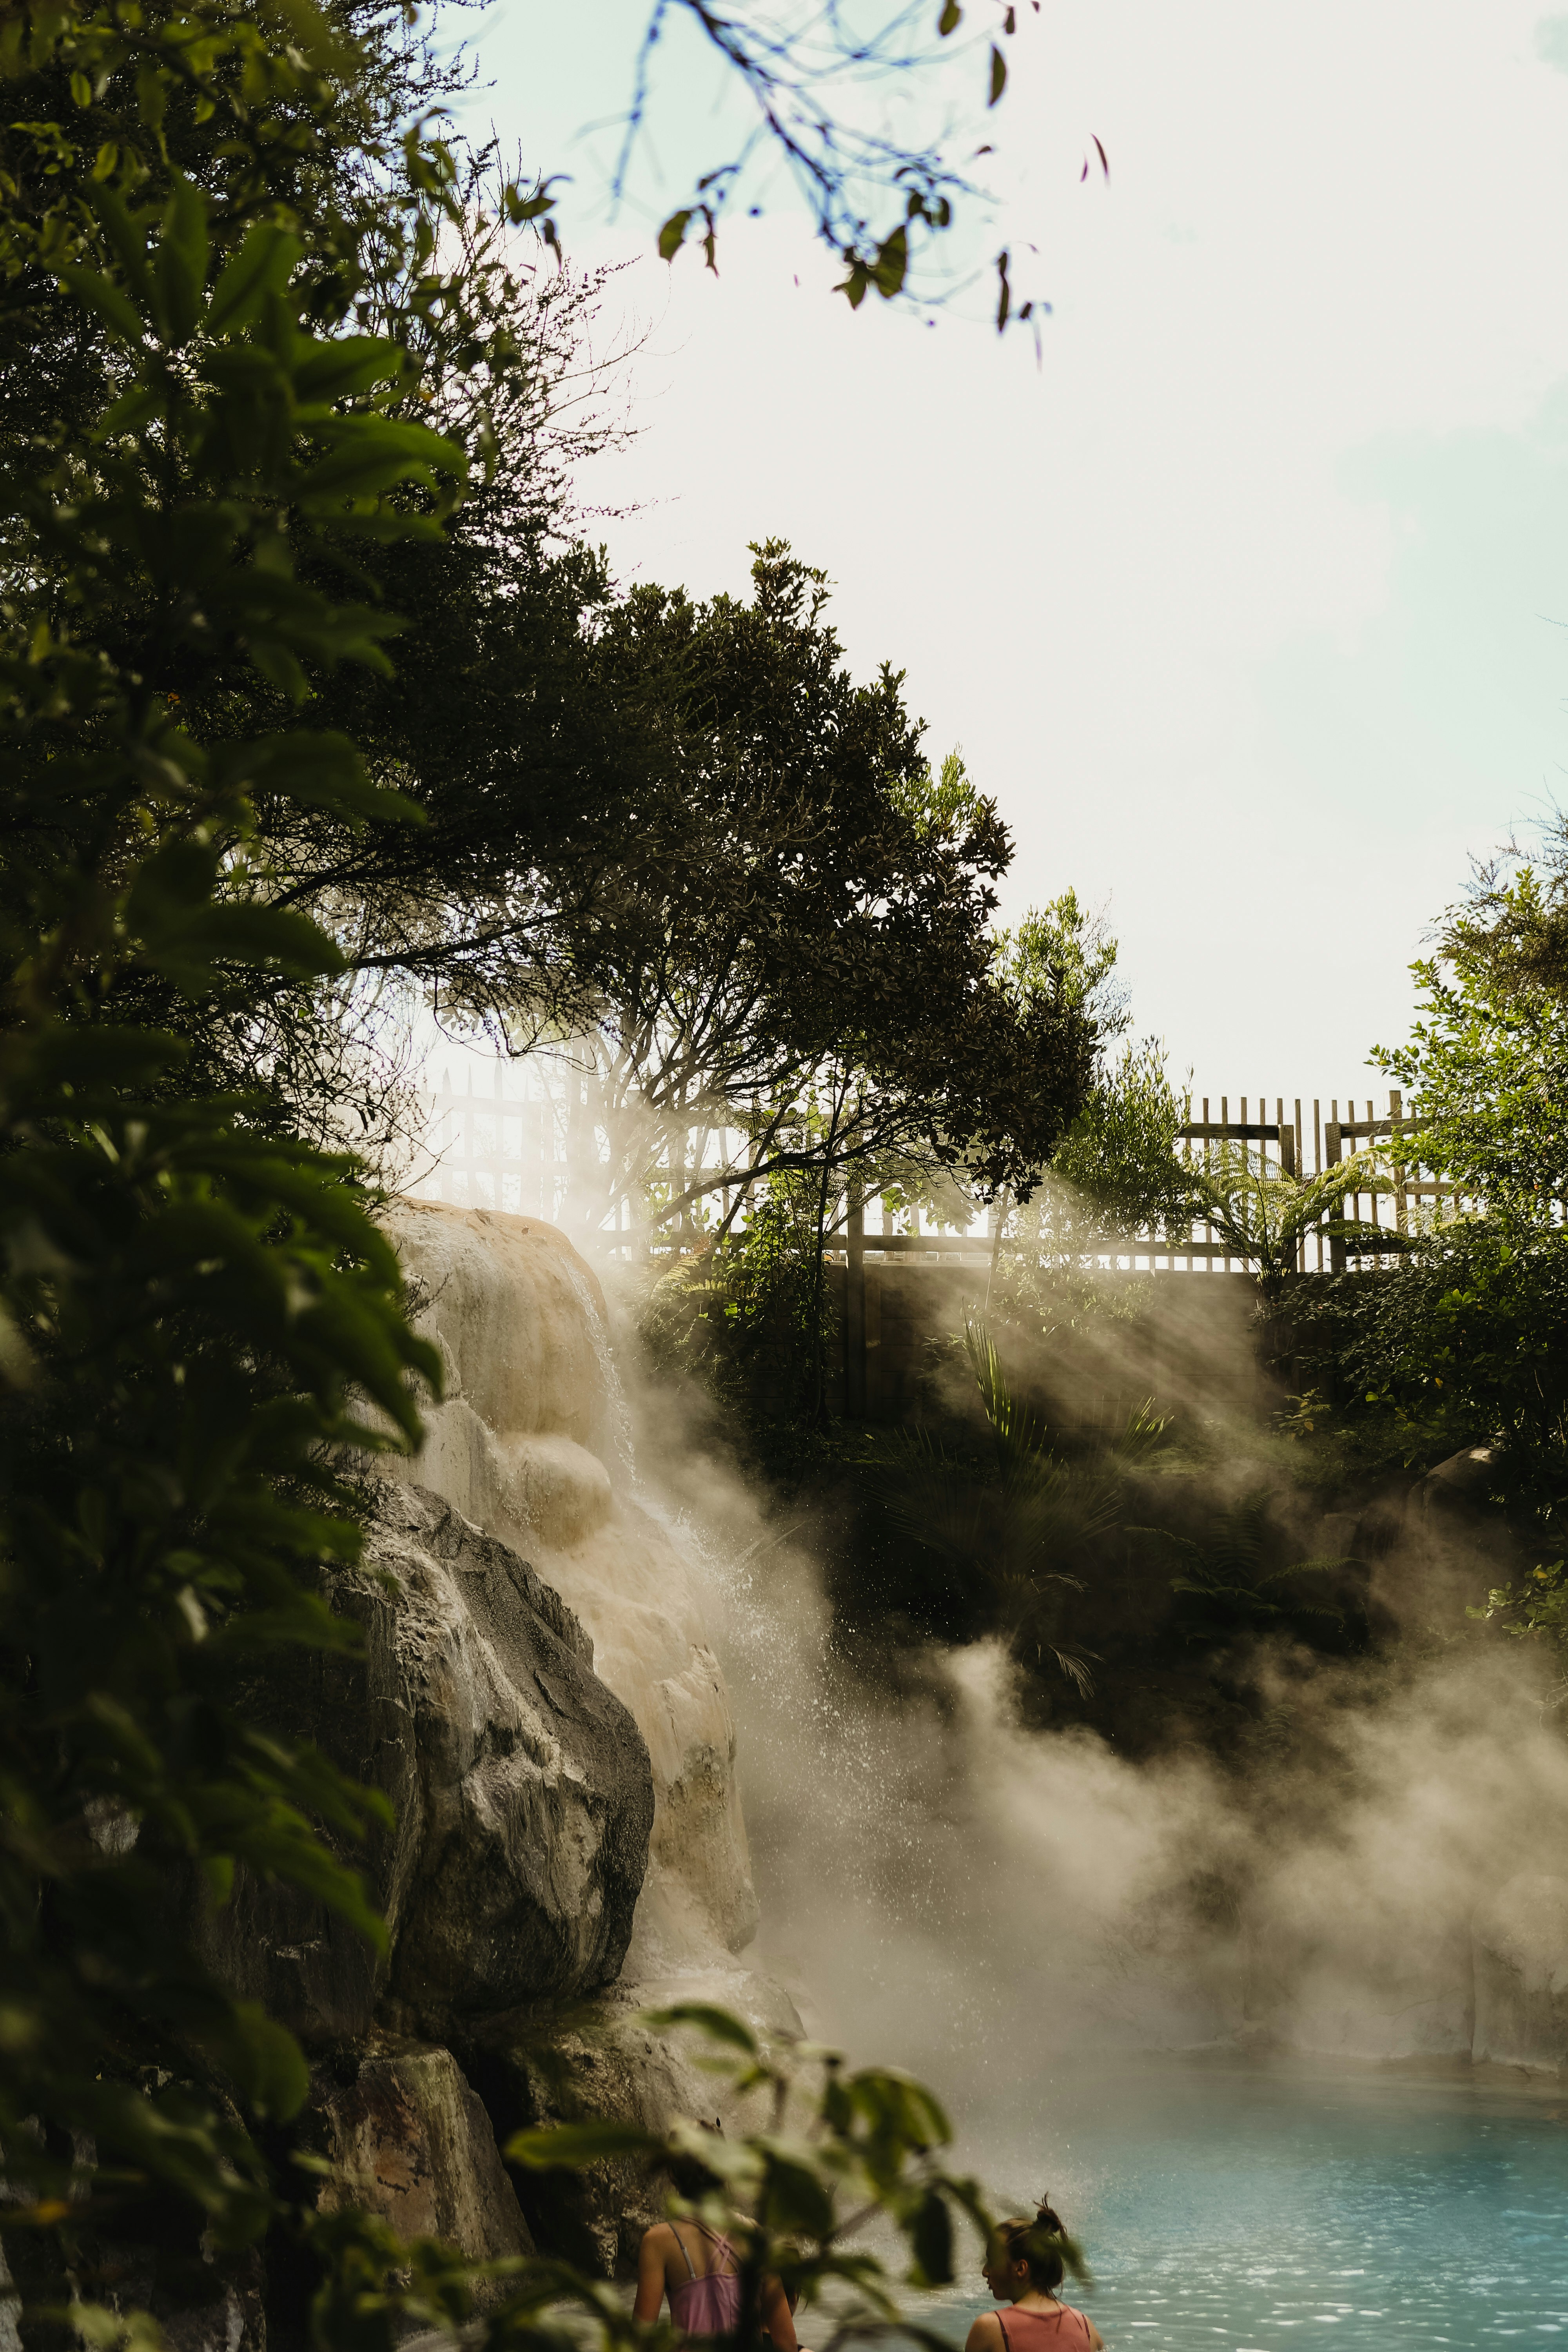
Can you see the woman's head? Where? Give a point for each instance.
(691, 2177)
(1026, 2257)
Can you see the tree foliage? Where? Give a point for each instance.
(830, 2148)
(1486, 1070)
(193, 1304)
(816, 81)
(1464, 1345)
(789, 943)
(1231, 1582)
(1264, 1213)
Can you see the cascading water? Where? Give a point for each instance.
(620, 1447)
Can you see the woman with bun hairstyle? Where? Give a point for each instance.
(1023, 2266)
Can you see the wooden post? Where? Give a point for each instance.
(855, 1309)
(1396, 1129)
(1332, 1159)
(873, 1357)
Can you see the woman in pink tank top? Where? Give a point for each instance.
(1024, 2267)
(700, 2270)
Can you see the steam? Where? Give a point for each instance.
(947, 1889)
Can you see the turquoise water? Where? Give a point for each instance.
(1244, 2210)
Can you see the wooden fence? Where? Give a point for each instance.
(502, 1146)
(1287, 1142)
(515, 1145)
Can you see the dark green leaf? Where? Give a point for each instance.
(931, 2240)
(127, 237)
(568, 2147)
(267, 2064)
(190, 951)
(180, 263)
(719, 2024)
(100, 296)
(263, 266)
(337, 370)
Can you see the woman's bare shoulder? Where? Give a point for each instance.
(985, 2334)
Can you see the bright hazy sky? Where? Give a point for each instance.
(1250, 602)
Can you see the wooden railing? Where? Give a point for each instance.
(1299, 1148)
(510, 1147)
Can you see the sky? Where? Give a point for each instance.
(1247, 597)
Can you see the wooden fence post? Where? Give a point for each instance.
(855, 1308)
(1332, 1159)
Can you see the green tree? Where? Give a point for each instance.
(192, 1304)
(1464, 1347)
(789, 952)
(317, 124)
(1486, 1070)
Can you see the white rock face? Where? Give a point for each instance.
(1521, 1941)
(526, 1444)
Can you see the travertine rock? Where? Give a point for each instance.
(521, 1787)
(1521, 1944)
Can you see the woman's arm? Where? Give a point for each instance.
(650, 2273)
(985, 2335)
(777, 2316)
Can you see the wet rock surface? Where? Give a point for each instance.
(521, 1787)
(410, 2141)
(602, 2062)
(536, 1698)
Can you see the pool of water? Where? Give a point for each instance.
(1237, 2209)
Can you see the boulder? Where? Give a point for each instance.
(601, 2061)
(1520, 1946)
(1460, 1483)
(520, 1786)
(410, 2141)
